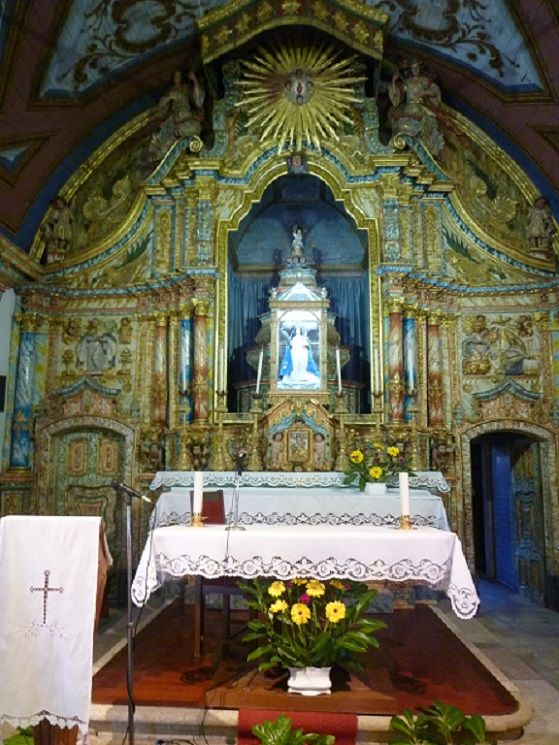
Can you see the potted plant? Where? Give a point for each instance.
(280, 732)
(375, 463)
(440, 724)
(307, 626)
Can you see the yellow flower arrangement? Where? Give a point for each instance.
(309, 622)
(375, 463)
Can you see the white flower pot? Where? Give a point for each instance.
(309, 681)
(375, 489)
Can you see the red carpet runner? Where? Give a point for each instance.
(342, 726)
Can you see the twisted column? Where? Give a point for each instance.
(395, 361)
(434, 372)
(200, 394)
(410, 360)
(159, 381)
(185, 362)
(22, 423)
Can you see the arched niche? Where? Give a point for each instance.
(334, 247)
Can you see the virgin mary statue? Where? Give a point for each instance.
(298, 368)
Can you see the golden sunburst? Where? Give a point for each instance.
(299, 95)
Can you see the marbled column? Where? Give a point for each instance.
(434, 372)
(200, 393)
(410, 360)
(21, 448)
(395, 362)
(185, 363)
(159, 381)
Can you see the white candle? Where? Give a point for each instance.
(198, 497)
(339, 369)
(404, 493)
(259, 374)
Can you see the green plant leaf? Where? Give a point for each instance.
(259, 652)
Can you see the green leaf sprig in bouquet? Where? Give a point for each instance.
(374, 463)
(310, 623)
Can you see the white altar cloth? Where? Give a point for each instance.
(308, 506)
(430, 480)
(48, 575)
(424, 556)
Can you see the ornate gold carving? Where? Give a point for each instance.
(294, 94)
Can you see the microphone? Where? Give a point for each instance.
(132, 493)
(241, 455)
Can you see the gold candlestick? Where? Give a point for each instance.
(405, 522)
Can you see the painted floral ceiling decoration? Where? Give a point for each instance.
(75, 71)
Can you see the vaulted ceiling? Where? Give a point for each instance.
(72, 72)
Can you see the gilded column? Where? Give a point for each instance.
(434, 372)
(172, 369)
(179, 249)
(22, 424)
(144, 351)
(205, 215)
(200, 393)
(159, 382)
(185, 363)
(395, 361)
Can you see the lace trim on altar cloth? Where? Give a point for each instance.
(287, 518)
(425, 571)
(33, 720)
(431, 480)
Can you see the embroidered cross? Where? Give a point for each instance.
(45, 589)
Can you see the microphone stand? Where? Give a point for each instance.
(236, 493)
(129, 624)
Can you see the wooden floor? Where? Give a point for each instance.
(420, 661)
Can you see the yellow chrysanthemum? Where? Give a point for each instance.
(393, 451)
(335, 611)
(278, 606)
(375, 472)
(300, 614)
(276, 589)
(299, 581)
(315, 588)
(337, 584)
(356, 456)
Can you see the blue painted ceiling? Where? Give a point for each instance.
(74, 71)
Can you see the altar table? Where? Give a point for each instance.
(308, 506)
(423, 556)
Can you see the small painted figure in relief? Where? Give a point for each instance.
(320, 460)
(540, 229)
(297, 164)
(476, 347)
(96, 352)
(181, 114)
(57, 230)
(277, 451)
(299, 87)
(416, 100)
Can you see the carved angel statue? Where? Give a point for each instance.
(416, 100)
(57, 230)
(181, 113)
(540, 228)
